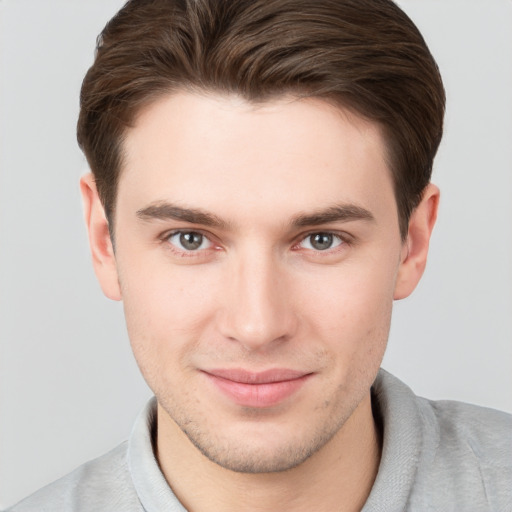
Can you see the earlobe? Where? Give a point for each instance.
(100, 243)
(415, 247)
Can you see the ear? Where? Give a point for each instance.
(102, 251)
(415, 247)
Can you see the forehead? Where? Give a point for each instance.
(217, 152)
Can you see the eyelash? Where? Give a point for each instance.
(335, 238)
(166, 237)
(344, 241)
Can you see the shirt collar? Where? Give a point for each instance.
(394, 404)
(152, 489)
(397, 407)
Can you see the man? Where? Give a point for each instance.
(260, 194)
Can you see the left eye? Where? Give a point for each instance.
(189, 241)
(321, 241)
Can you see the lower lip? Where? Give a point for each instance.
(258, 395)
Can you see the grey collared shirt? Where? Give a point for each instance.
(437, 456)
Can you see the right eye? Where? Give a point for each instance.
(189, 241)
(321, 241)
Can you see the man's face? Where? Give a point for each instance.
(257, 250)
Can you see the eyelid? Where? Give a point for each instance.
(336, 239)
(346, 240)
(179, 234)
(167, 235)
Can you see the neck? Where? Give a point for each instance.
(337, 477)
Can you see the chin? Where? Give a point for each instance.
(253, 460)
(262, 451)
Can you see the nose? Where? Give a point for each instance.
(257, 309)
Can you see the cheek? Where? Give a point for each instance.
(165, 313)
(164, 296)
(352, 314)
(356, 296)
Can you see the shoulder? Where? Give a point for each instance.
(467, 448)
(440, 455)
(471, 433)
(101, 484)
(485, 433)
(445, 426)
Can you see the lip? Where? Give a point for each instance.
(257, 389)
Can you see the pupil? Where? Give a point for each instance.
(321, 241)
(191, 240)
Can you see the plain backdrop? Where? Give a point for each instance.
(69, 388)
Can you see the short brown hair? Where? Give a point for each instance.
(365, 55)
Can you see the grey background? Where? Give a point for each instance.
(69, 388)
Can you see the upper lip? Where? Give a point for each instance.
(262, 377)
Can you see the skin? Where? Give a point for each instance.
(257, 294)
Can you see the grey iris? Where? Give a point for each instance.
(321, 241)
(191, 240)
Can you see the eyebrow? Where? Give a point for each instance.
(167, 211)
(336, 213)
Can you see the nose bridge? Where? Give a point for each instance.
(257, 311)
